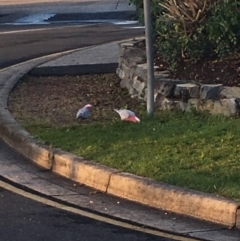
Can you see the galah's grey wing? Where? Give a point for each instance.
(123, 114)
(83, 113)
(79, 113)
(126, 113)
(86, 114)
(130, 113)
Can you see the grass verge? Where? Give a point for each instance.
(192, 150)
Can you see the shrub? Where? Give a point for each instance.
(194, 29)
(222, 27)
(140, 10)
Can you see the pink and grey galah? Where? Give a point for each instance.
(127, 115)
(84, 113)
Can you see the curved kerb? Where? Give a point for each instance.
(142, 190)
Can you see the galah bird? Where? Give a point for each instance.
(127, 115)
(84, 113)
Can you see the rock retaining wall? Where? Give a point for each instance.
(172, 94)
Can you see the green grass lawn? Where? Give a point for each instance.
(191, 150)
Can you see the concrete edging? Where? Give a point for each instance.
(142, 190)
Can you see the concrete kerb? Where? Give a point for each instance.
(174, 199)
(82, 171)
(125, 185)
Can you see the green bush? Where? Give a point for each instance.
(140, 10)
(222, 27)
(192, 29)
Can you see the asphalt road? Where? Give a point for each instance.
(17, 45)
(23, 219)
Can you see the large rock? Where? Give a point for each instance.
(133, 92)
(138, 85)
(131, 43)
(133, 56)
(126, 83)
(123, 46)
(181, 105)
(164, 103)
(120, 73)
(192, 89)
(227, 107)
(230, 92)
(166, 87)
(210, 91)
(128, 71)
(141, 70)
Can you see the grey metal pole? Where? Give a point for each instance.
(149, 54)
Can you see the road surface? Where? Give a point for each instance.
(23, 219)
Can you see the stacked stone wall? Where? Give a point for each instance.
(172, 93)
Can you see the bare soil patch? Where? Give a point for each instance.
(56, 100)
(224, 71)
